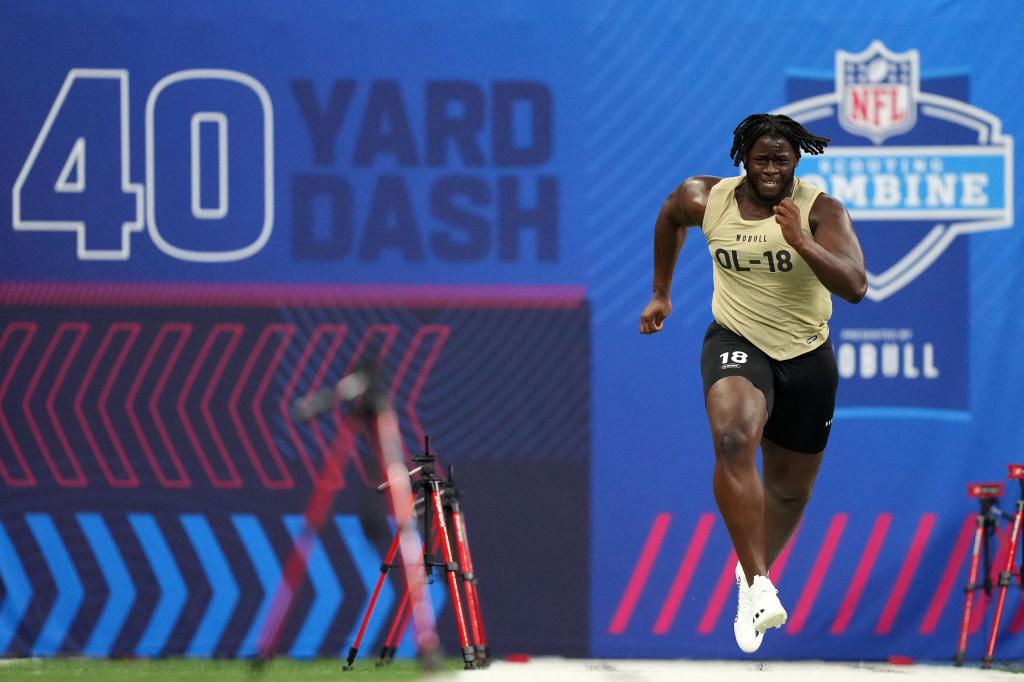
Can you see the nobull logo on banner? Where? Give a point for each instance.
(917, 166)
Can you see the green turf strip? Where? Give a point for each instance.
(62, 669)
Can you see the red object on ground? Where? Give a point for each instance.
(897, 659)
(518, 658)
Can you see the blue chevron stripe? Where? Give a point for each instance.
(65, 577)
(367, 562)
(328, 595)
(222, 582)
(19, 590)
(268, 570)
(172, 586)
(120, 588)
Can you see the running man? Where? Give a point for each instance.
(778, 247)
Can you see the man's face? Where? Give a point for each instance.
(770, 165)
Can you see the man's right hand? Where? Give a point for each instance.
(653, 316)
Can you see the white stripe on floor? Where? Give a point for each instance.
(624, 670)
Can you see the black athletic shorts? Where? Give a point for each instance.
(800, 392)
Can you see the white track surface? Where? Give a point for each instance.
(619, 670)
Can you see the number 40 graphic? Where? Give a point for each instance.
(77, 176)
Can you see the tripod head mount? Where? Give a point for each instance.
(985, 490)
(988, 495)
(1016, 471)
(425, 462)
(426, 459)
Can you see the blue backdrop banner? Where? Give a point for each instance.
(211, 209)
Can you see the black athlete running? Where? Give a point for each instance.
(780, 247)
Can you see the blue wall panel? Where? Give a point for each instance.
(186, 185)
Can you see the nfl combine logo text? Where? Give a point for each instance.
(917, 166)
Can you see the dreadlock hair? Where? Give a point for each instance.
(756, 126)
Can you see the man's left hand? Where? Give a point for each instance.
(787, 215)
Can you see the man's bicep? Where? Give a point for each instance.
(688, 201)
(835, 231)
(672, 210)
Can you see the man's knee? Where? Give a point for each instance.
(736, 414)
(791, 499)
(734, 442)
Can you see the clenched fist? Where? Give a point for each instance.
(787, 215)
(653, 316)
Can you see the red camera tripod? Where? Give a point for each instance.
(988, 495)
(1016, 472)
(439, 502)
(373, 413)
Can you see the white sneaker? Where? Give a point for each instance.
(766, 609)
(747, 638)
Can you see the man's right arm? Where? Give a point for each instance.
(683, 208)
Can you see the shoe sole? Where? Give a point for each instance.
(754, 648)
(774, 621)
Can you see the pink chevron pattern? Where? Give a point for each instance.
(128, 479)
(684, 574)
(287, 332)
(440, 334)
(906, 575)
(151, 402)
(860, 577)
(821, 565)
(205, 295)
(333, 477)
(81, 329)
(26, 479)
(949, 575)
(1017, 622)
(641, 572)
(343, 439)
(231, 480)
(283, 478)
(978, 614)
(722, 592)
(133, 330)
(77, 479)
(180, 479)
(778, 567)
(185, 331)
(667, 599)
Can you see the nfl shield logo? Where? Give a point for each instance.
(877, 89)
(945, 169)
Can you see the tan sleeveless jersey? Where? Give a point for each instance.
(764, 290)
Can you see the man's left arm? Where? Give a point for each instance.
(832, 250)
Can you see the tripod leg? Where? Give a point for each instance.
(398, 622)
(384, 568)
(319, 504)
(451, 568)
(1004, 582)
(972, 576)
(389, 441)
(476, 620)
